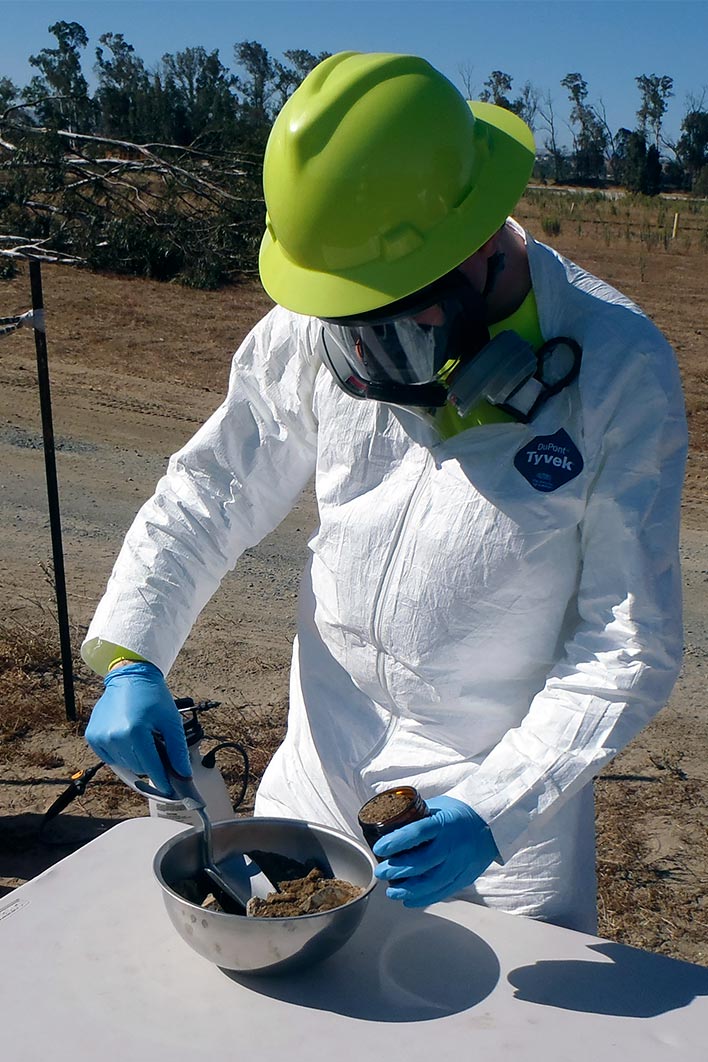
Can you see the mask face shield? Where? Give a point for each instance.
(400, 351)
(433, 347)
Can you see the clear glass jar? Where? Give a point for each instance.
(389, 810)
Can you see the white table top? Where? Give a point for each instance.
(93, 969)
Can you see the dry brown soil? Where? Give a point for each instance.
(135, 367)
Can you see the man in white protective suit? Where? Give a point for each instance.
(492, 606)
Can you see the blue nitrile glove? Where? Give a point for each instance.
(136, 705)
(433, 858)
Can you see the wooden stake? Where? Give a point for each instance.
(675, 228)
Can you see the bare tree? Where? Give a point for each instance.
(469, 85)
(526, 104)
(548, 117)
(601, 116)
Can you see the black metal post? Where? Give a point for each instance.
(45, 402)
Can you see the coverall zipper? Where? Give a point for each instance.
(384, 583)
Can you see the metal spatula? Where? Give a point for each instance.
(230, 874)
(235, 874)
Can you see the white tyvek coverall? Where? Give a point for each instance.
(459, 629)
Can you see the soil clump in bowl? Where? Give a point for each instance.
(302, 896)
(299, 889)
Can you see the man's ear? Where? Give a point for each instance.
(483, 253)
(491, 247)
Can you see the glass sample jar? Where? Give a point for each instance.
(389, 810)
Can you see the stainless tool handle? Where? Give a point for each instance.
(183, 789)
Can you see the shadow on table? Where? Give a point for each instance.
(635, 984)
(28, 846)
(394, 969)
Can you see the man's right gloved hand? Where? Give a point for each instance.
(136, 705)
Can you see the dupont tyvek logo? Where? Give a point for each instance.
(549, 461)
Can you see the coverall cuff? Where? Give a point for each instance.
(100, 655)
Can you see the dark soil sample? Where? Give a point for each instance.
(387, 811)
(384, 806)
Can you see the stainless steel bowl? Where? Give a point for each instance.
(264, 945)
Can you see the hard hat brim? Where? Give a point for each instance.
(499, 186)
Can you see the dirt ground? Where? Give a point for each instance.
(136, 366)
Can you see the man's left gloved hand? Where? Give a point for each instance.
(435, 857)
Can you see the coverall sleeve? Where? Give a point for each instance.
(227, 488)
(622, 658)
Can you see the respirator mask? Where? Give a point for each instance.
(395, 355)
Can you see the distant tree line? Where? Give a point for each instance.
(158, 171)
(640, 159)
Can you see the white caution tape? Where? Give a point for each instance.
(31, 319)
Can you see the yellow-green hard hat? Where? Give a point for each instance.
(379, 178)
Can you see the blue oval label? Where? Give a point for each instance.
(549, 461)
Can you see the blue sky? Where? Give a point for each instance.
(609, 42)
